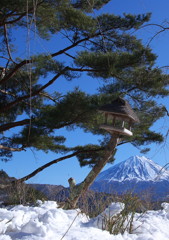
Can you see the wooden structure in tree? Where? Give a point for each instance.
(118, 117)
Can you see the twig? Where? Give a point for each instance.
(70, 225)
(7, 43)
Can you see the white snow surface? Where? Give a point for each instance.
(139, 168)
(47, 222)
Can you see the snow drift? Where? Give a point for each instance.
(46, 221)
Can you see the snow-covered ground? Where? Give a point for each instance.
(47, 222)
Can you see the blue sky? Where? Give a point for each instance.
(25, 162)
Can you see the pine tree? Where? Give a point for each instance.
(95, 45)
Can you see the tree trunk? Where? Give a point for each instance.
(78, 190)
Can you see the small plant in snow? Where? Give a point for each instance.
(118, 217)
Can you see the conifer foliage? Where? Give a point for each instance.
(85, 42)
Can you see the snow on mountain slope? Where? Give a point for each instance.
(138, 168)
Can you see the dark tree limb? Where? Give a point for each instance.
(54, 162)
(8, 126)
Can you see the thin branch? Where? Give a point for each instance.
(155, 36)
(7, 43)
(153, 24)
(7, 93)
(72, 121)
(156, 25)
(84, 69)
(46, 95)
(165, 109)
(69, 55)
(71, 46)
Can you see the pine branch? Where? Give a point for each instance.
(35, 93)
(14, 70)
(21, 15)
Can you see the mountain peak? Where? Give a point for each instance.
(139, 168)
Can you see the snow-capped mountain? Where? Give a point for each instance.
(138, 168)
(138, 175)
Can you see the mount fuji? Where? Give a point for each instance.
(138, 175)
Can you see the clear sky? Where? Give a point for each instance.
(25, 162)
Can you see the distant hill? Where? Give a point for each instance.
(138, 175)
(91, 202)
(52, 192)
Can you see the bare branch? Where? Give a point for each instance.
(6, 41)
(165, 109)
(153, 24)
(69, 55)
(156, 25)
(155, 36)
(46, 95)
(11, 149)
